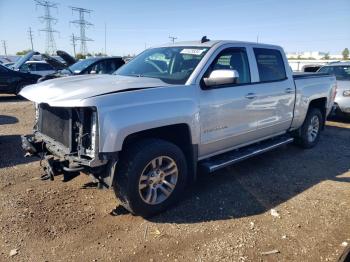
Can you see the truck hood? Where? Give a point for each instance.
(70, 90)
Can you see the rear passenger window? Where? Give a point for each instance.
(270, 64)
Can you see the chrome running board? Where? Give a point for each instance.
(223, 160)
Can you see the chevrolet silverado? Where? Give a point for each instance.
(172, 112)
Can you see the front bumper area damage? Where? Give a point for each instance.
(56, 161)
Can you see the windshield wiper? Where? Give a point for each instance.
(136, 75)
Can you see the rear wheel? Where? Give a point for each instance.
(151, 176)
(309, 133)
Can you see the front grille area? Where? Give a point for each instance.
(56, 123)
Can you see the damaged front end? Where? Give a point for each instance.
(66, 138)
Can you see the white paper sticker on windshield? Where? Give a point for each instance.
(192, 51)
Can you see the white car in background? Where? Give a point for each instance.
(341, 71)
(37, 67)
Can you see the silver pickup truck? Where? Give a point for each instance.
(172, 112)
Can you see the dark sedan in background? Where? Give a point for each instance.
(11, 81)
(95, 65)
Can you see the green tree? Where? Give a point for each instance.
(345, 54)
(80, 56)
(23, 52)
(100, 54)
(326, 56)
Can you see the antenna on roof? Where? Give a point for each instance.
(204, 39)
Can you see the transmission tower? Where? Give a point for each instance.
(49, 21)
(74, 38)
(83, 24)
(4, 45)
(172, 38)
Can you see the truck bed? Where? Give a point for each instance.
(308, 75)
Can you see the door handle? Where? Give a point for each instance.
(250, 96)
(289, 90)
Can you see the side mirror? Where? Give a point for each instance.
(221, 77)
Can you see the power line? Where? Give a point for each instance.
(4, 45)
(49, 20)
(83, 24)
(30, 37)
(172, 38)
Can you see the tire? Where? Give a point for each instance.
(345, 256)
(309, 133)
(136, 193)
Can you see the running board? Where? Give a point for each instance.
(223, 160)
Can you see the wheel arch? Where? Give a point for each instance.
(321, 104)
(178, 134)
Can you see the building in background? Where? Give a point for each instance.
(312, 55)
(310, 61)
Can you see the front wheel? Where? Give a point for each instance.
(151, 175)
(309, 133)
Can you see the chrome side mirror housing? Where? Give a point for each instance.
(221, 77)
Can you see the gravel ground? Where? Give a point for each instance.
(225, 216)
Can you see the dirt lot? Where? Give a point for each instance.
(224, 217)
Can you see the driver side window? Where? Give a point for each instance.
(233, 59)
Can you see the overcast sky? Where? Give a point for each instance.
(298, 25)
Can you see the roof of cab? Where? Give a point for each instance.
(216, 42)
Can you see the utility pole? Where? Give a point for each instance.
(257, 38)
(105, 39)
(4, 45)
(31, 37)
(49, 21)
(74, 44)
(83, 24)
(173, 38)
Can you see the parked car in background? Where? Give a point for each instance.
(341, 71)
(9, 64)
(11, 81)
(37, 67)
(15, 76)
(144, 130)
(95, 65)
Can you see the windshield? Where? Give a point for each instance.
(80, 66)
(173, 65)
(340, 72)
